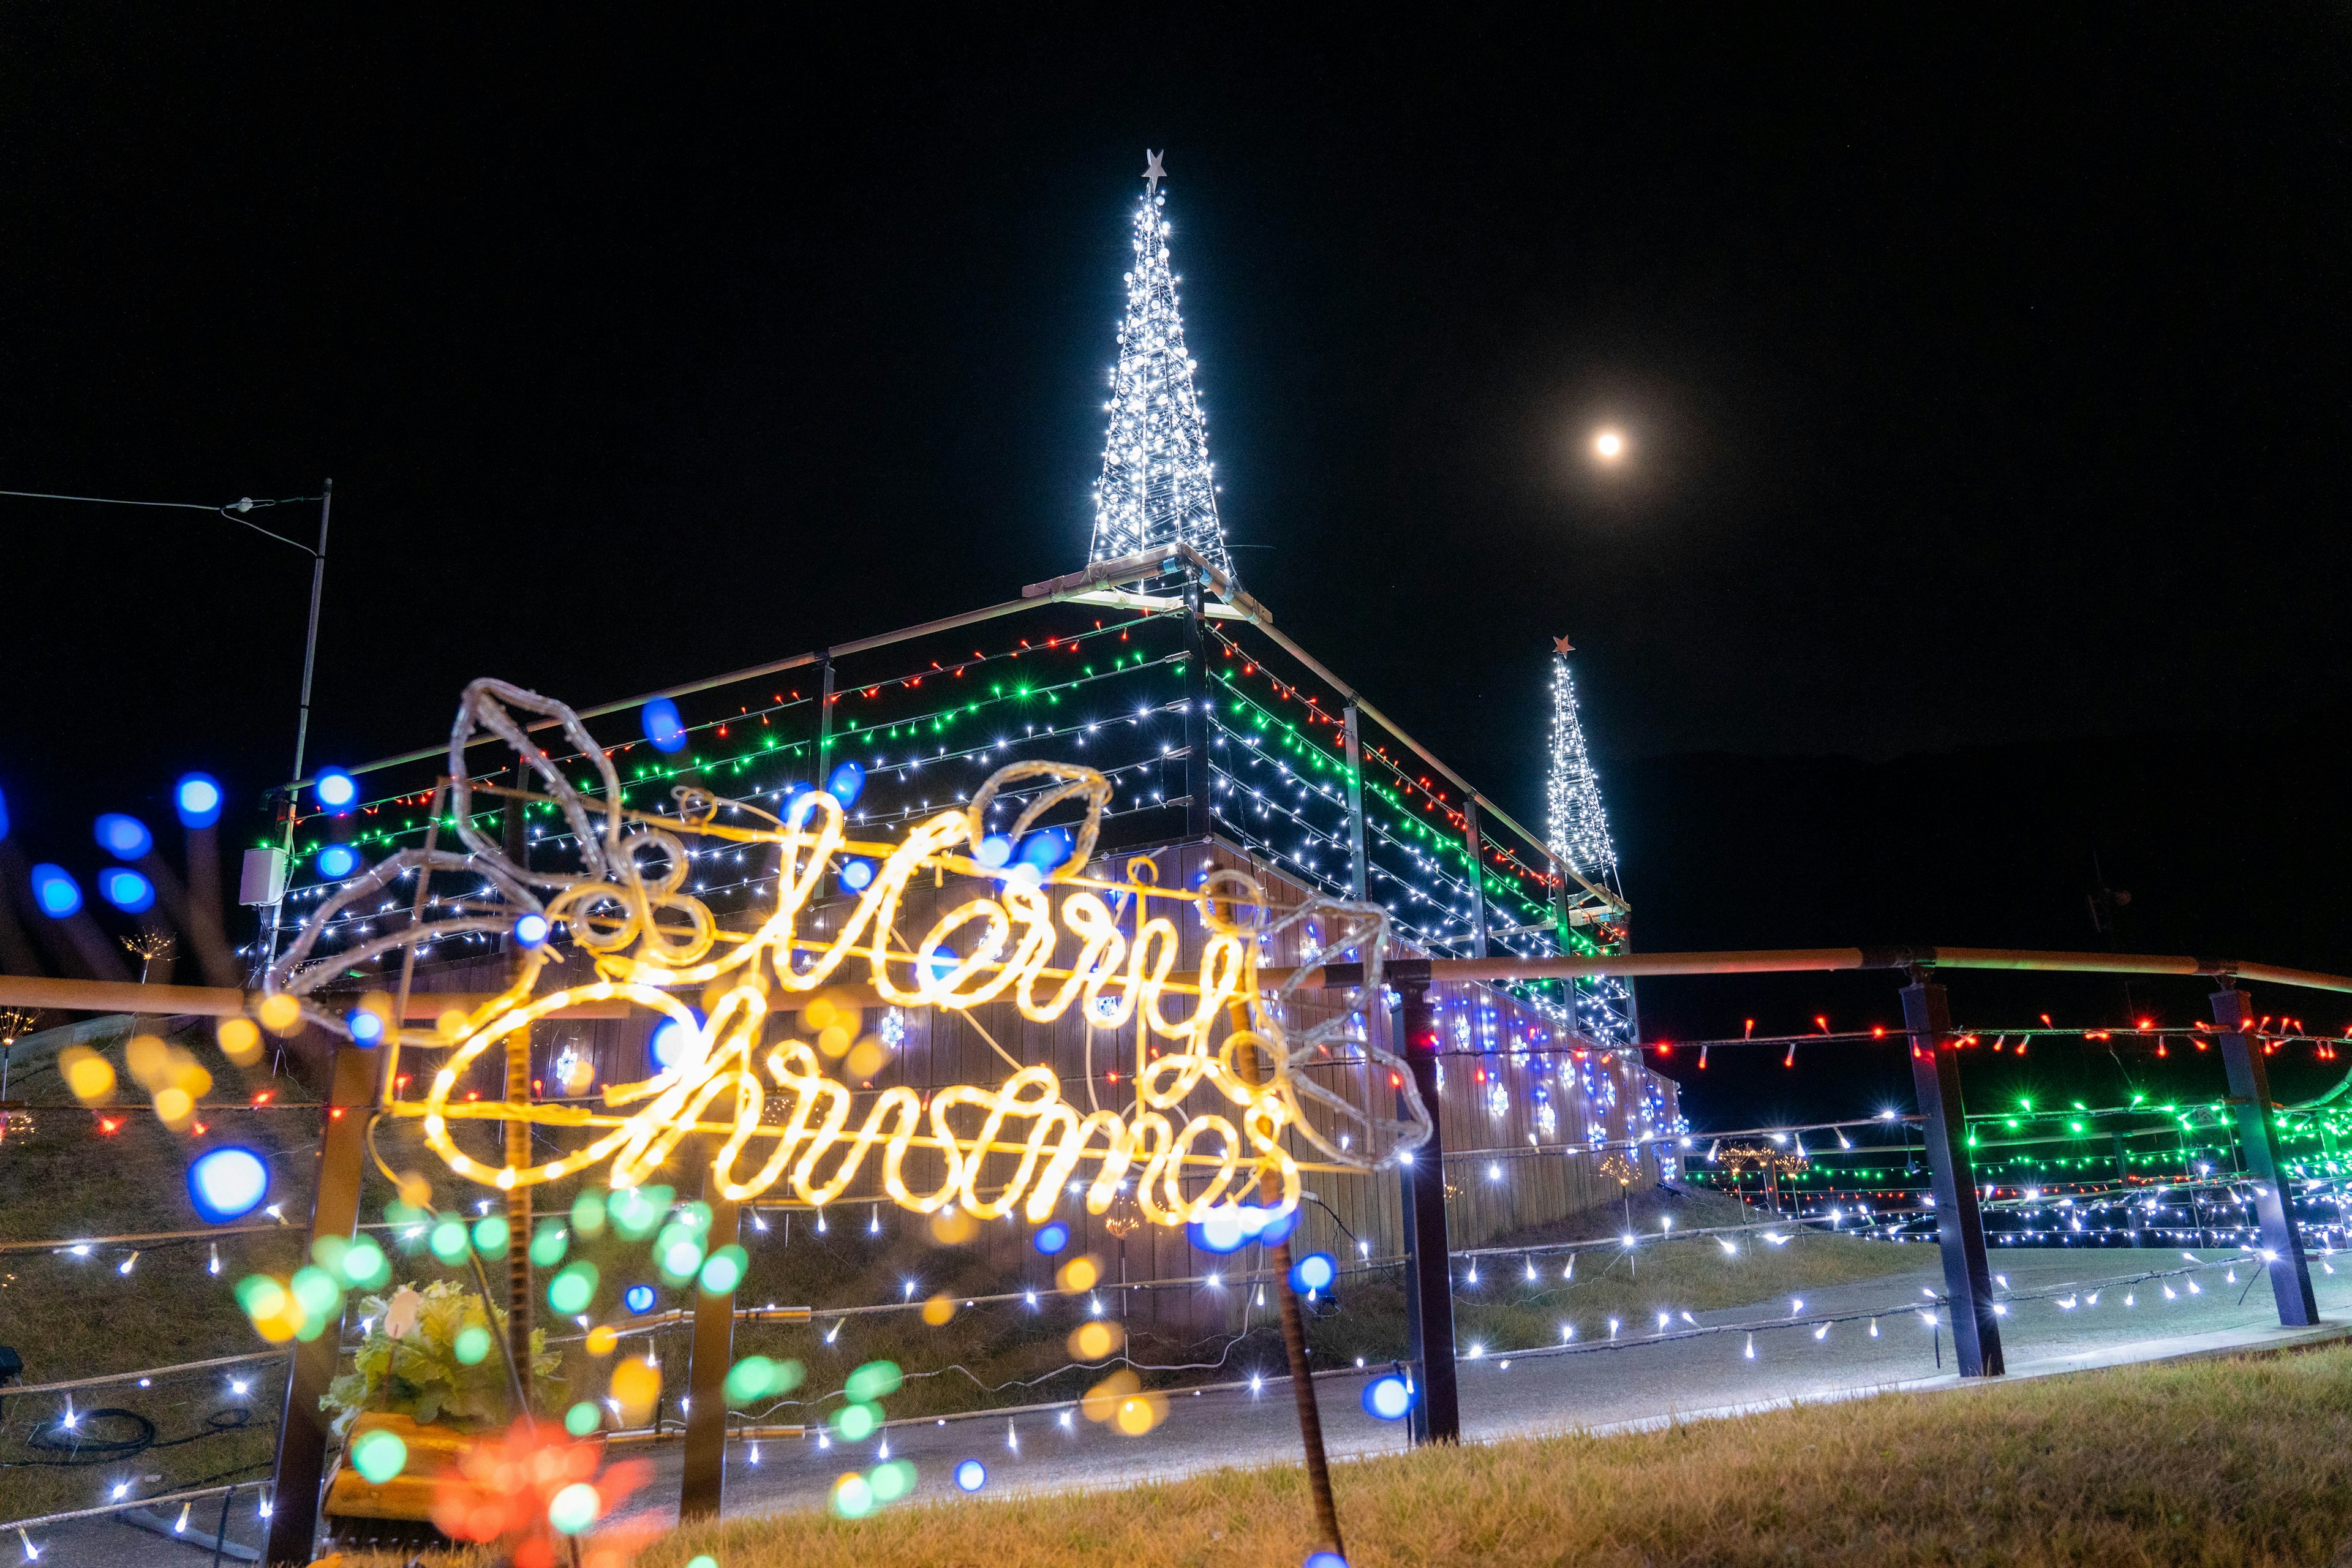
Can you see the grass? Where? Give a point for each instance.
(2245, 1462)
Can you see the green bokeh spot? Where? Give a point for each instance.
(724, 1270)
(473, 1343)
(448, 1241)
(875, 1379)
(588, 1213)
(547, 1248)
(379, 1456)
(572, 1289)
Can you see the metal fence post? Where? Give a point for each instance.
(1472, 839)
(824, 722)
(2250, 1096)
(702, 1489)
(1197, 782)
(1960, 1227)
(1429, 1264)
(334, 1211)
(1359, 868)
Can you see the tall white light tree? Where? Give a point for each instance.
(1156, 486)
(1578, 826)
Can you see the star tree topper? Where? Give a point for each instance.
(1152, 171)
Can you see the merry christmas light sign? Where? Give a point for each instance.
(1227, 1098)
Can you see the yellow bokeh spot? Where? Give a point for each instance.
(88, 1074)
(953, 1227)
(451, 1022)
(240, 1042)
(191, 1078)
(818, 1013)
(281, 1014)
(1140, 1413)
(1093, 1341)
(637, 1385)
(416, 1190)
(865, 1058)
(1103, 1400)
(603, 1340)
(173, 1107)
(149, 1059)
(1079, 1274)
(939, 1309)
(833, 1039)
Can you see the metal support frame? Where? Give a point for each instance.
(1428, 1263)
(515, 840)
(303, 723)
(1196, 711)
(1560, 909)
(702, 1488)
(1358, 865)
(824, 720)
(1959, 1227)
(2249, 1097)
(334, 1211)
(1474, 842)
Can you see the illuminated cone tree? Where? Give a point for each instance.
(1578, 828)
(1156, 486)
(1578, 825)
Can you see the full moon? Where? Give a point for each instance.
(1608, 446)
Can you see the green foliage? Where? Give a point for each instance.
(419, 1375)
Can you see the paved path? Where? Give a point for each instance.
(1639, 1384)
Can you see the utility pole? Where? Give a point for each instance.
(302, 725)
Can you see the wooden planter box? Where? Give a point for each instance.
(432, 1448)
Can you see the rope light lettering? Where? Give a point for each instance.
(1227, 1099)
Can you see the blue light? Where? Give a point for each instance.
(1052, 1238)
(3, 815)
(1047, 848)
(1265, 1225)
(338, 860)
(1325, 1559)
(126, 890)
(366, 1028)
(846, 782)
(336, 790)
(639, 1299)
(226, 1183)
(670, 1044)
(995, 850)
(1389, 1398)
(1314, 1272)
(972, 1475)
(856, 874)
(124, 838)
(198, 798)
(1222, 1232)
(664, 728)
(531, 929)
(56, 892)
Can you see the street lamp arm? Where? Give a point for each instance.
(243, 505)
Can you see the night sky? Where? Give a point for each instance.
(1984, 371)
